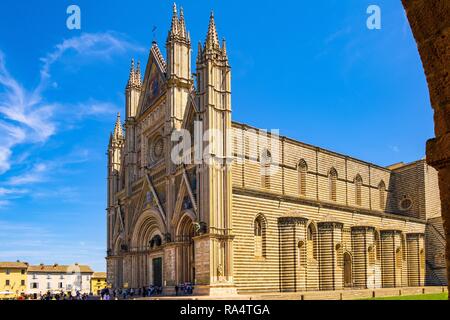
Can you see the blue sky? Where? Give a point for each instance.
(311, 69)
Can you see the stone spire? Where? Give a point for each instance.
(137, 75)
(212, 40)
(134, 79)
(118, 131)
(224, 47)
(174, 28)
(182, 24)
(131, 76)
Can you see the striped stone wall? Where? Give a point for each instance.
(283, 268)
(436, 269)
(364, 201)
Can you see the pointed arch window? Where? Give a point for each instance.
(358, 191)
(266, 163)
(311, 241)
(302, 172)
(260, 235)
(382, 195)
(332, 181)
(377, 245)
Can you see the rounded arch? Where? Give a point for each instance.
(260, 221)
(302, 168)
(259, 232)
(333, 172)
(185, 233)
(185, 227)
(302, 164)
(311, 230)
(146, 227)
(312, 240)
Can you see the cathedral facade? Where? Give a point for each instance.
(194, 197)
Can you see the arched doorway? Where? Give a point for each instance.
(348, 277)
(147, 247)
(185, 234)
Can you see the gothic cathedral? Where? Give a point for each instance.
(319, 221)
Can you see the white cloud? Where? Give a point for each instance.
(35, 175)
(25, 115)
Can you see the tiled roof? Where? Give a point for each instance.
(60, 268)
(100, 275)
(13, 265)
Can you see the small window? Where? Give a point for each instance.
(8, 271)
(22, 271)
(406, 203)
(259, 234)
(266, 164)
(48, 285)
(7, 282)
(382, 191)
(311, 237)
(358, 192)
(332, 181)
(60, 285)
(302, 172)
(22, 282)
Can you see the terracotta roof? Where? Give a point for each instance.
(100, 275)
(60, 268)
(13, 265)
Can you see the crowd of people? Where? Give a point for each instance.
(54, 296)
(116, 294)
(109, 294)
(150, 291)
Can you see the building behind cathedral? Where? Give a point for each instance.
(247, 219)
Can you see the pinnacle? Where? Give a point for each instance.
(212, 40)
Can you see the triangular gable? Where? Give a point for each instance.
(182, 193)
(143, 202)
(118, 227)
(190, 113)
(154, 79)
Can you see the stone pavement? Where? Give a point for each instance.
(316, 295)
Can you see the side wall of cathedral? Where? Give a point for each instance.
(364, 233)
